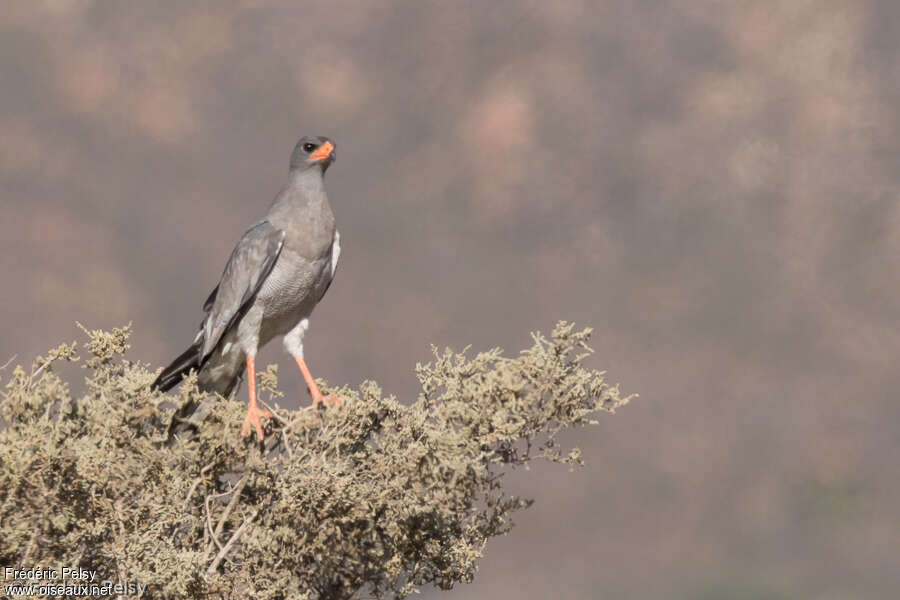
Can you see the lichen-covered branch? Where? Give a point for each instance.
(374, 497)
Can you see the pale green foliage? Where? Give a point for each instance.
(373, 497)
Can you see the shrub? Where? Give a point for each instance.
(374, 496)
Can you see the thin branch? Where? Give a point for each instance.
(284, 429)
(221, 555)
(236, 491)
(9, 362)
(37, 372)
(273, 411)
(30, 547)
(197, 481)
(234, 499)
(209, 527)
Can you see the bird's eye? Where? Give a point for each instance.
(307, 147)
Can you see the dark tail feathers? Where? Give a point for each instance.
(171, 375)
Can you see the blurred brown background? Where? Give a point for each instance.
(711, 185)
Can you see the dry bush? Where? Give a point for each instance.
(373, 497)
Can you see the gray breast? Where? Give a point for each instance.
(291, 291)
(291, 284)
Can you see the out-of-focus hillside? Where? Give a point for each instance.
(713, 185)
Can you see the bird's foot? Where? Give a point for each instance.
(330, 400)
(252, 418)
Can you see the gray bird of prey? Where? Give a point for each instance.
(277, 273)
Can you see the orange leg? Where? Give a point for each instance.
(254, 412)
(313, 388)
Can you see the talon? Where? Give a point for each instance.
(317, 396)
(254, 412)
(252, 418)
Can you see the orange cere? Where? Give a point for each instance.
(323, 152)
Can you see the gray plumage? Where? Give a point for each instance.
(276, 275)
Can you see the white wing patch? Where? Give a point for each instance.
(335, 251)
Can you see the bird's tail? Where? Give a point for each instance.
(171, 375)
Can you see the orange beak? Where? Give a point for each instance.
(323, 153)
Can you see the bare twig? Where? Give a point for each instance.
(236, 494)
(9, 362)
(221, 555)
(234, 499)
(30, 547)
(273, 411)
(209, 526)
(284, 429)
(37, 372)
(197, 481)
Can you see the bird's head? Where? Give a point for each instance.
(313, 151)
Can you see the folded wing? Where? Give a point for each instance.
(250, 263)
